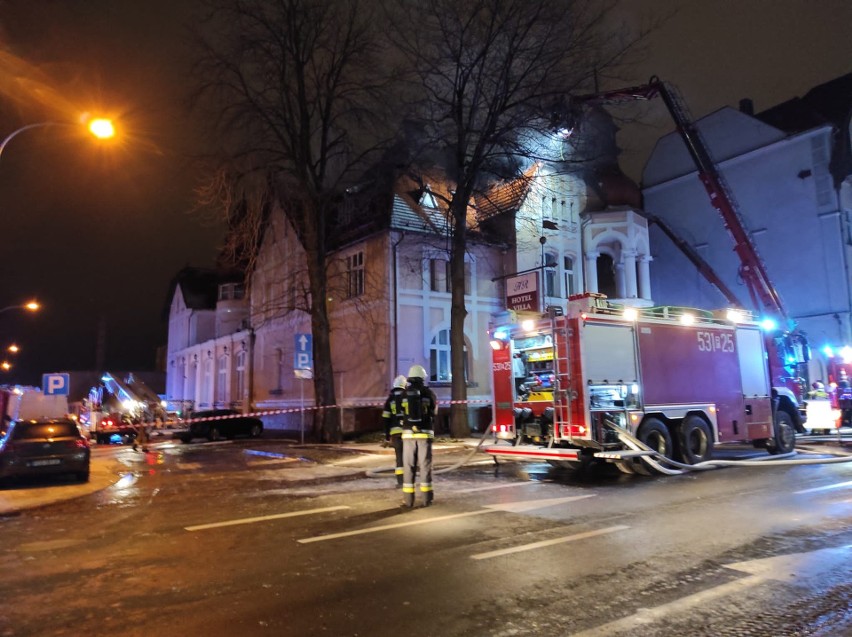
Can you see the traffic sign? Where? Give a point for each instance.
(55, 384)
(304, 358)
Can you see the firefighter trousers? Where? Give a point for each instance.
(396, 443)
(416, 466)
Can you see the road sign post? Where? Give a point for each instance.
(303, 366)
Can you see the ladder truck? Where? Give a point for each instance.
(787, 347)
(684, 429)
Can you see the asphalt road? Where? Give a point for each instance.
(269, 538)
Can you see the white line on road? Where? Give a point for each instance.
(827, 487)
(496, 486)
(264, 518)
(633, 622)
(385, 527)
(543, 543)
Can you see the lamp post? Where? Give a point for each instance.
(32, 306)
(100, 127)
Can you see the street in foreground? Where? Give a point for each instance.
(261, 537)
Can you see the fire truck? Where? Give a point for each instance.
(602, 378)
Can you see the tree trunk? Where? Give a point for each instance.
(326, 424)
(459, 425)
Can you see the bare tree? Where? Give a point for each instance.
(486, 75)
(296, 88)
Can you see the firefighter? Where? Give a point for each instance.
(394, 417)
(142, 437)
(420, 405)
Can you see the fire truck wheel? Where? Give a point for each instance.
(696, 440)
(785, 434)
(654, 434)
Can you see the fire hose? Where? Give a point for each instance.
(381, 473)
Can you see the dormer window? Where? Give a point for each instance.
(427, 200)
(229, 291)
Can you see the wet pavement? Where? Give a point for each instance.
(312, 464)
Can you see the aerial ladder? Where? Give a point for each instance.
(788, 348)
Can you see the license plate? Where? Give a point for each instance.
(43, 463)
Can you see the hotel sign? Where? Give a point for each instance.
(522, 292)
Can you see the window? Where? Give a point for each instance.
(440, 279)
(439, 358)
(568, 269)
(239, 381)
(228, 291)
(222, 380)
(439, 275)
(551, 282)
(355, 275)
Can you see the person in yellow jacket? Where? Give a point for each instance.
(420, 406)
(394, 417)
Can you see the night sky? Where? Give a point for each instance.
(95, 231)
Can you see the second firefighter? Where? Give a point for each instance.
(419, 405)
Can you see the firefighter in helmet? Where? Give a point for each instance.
(420, 405)
(394, 417)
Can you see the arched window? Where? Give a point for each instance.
(222, 379)
(439, 358)
(240, 380)
(606, 276)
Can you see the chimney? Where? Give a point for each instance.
(747, 106)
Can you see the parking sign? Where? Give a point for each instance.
(55, 384)
(304, 358)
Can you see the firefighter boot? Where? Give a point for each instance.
(428, 498)
(407, 501)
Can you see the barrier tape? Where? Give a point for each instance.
(296, 410)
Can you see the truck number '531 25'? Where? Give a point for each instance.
(710, 342)
(501, 367)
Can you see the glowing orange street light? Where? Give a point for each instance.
(13, 349)
(101, 128)
(32, 306)
(6, 366)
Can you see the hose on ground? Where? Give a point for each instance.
(787, 459)
(382, 473)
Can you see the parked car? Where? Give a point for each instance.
(47, 446)
(223, 423)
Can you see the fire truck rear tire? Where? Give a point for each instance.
(696, 440)
(654, 434)
(785, 434)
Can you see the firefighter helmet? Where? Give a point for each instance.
(417, 371)
(400, 382)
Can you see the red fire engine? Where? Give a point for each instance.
(600, 377)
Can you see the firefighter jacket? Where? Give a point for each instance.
(392, 413)
(419, 405)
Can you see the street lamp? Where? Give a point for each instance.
(100, 127)
(13, 349)
(32, 306)
(5, 366)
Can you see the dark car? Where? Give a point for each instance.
(216, 424)
(38, 447)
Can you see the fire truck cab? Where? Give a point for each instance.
(678, 380)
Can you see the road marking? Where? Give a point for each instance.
(649, 615)
(497, 486)
(385, 527)
(264, 518)
(827, 487)
(522, 506)
(510, 507)
(543, 543)
(792, 567)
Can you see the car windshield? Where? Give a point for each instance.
(24, 430)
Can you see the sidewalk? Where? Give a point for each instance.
(106, 471)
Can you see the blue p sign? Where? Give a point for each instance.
(55, 384)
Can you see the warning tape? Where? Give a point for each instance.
(296, 410)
